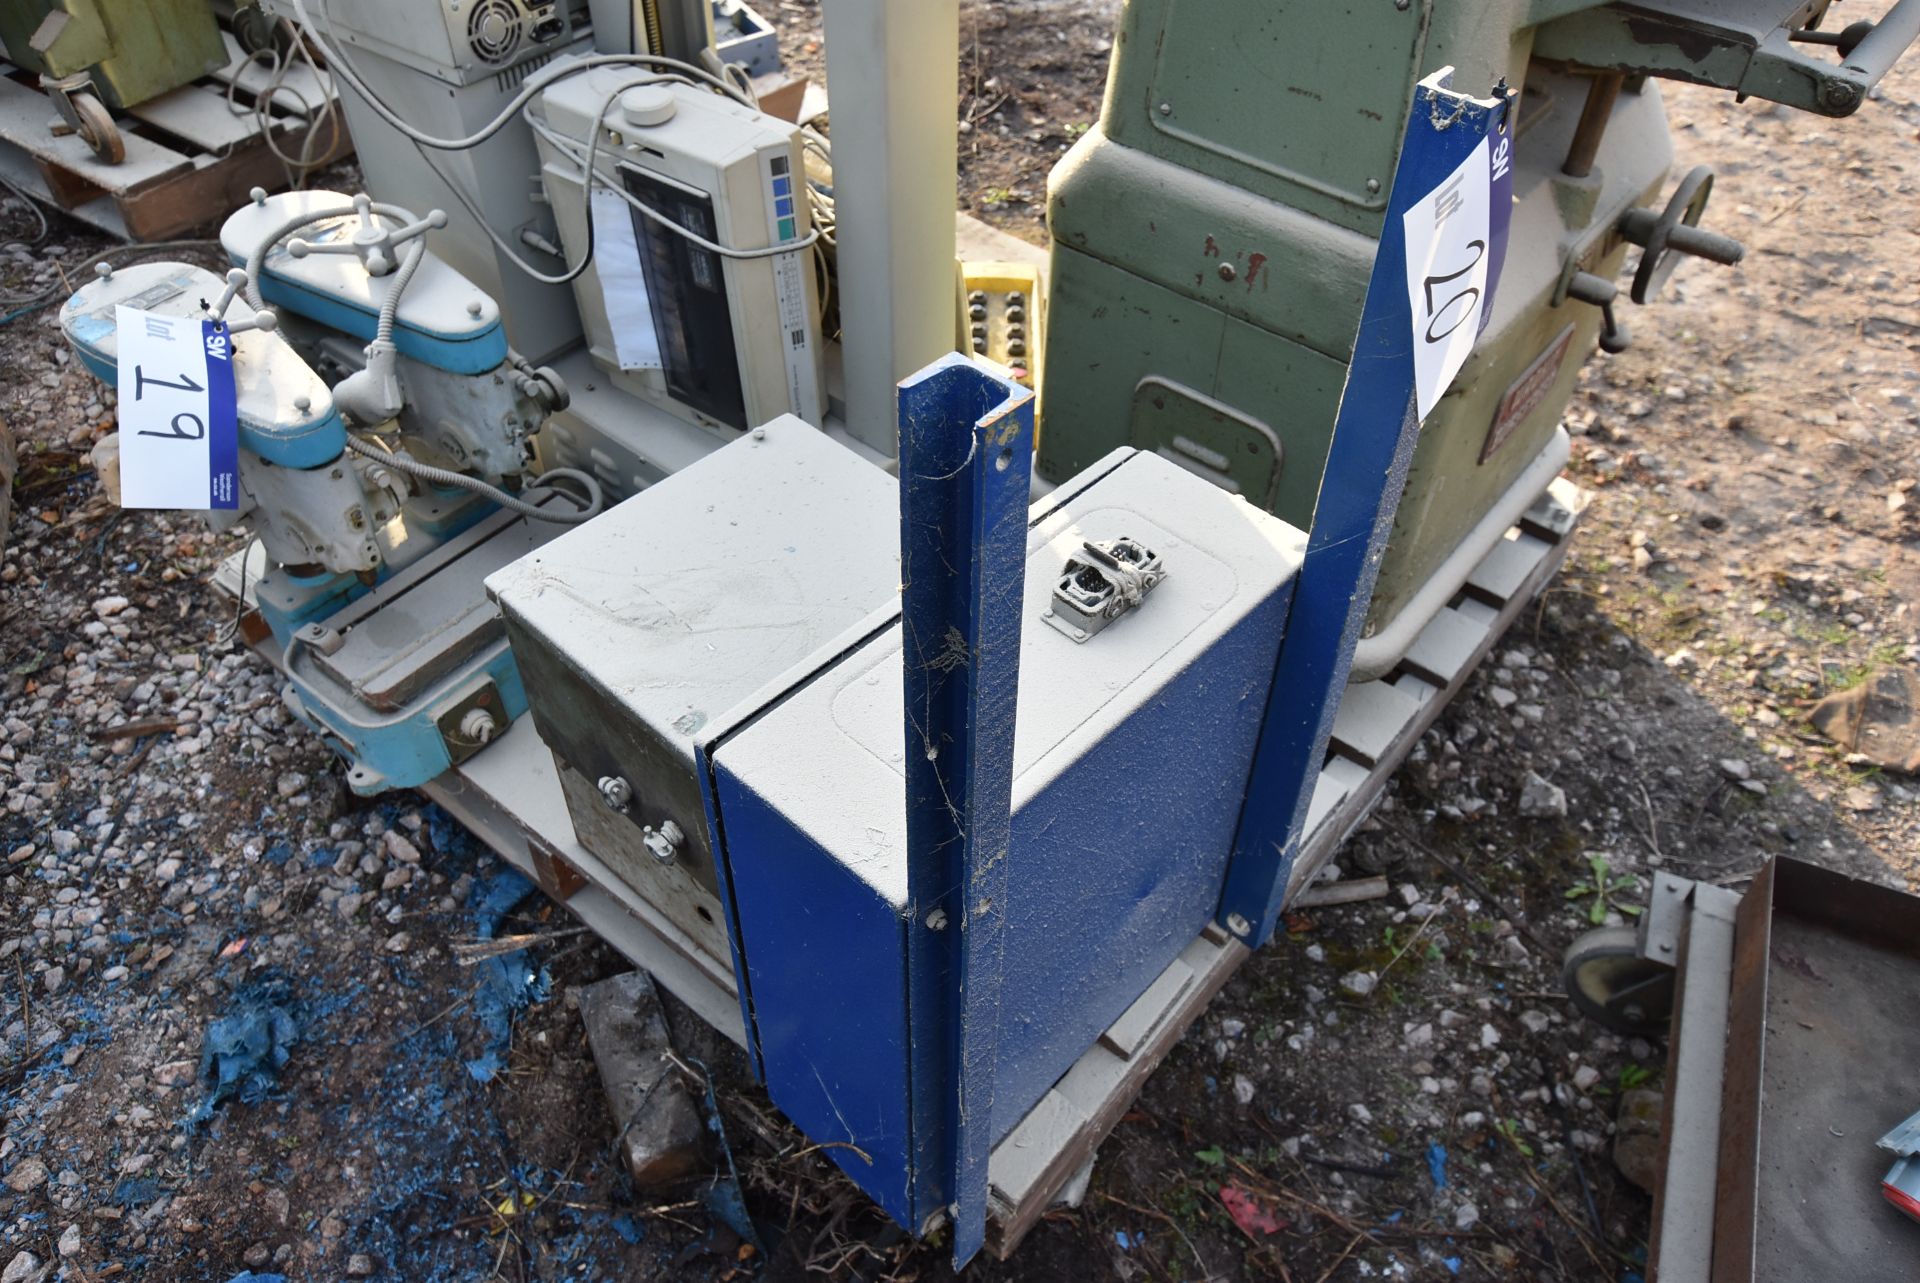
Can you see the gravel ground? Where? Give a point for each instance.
(1395, 1089)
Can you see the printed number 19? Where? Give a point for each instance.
(1465, 297)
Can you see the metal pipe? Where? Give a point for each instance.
(890, 70)
(1601, 95)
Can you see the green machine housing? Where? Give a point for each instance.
(132, 50)
(1212, 237)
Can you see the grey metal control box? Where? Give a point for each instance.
(636, 630)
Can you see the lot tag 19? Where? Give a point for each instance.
(179, 429)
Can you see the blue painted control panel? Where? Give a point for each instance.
(1132, 749)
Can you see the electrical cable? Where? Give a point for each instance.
(330, 108)
(596, 498)
(731, 84)
(529, 88)
(737, 73)
(567, 148)
(32, 207)
(593, 152)
(265, 125)
(228, 633)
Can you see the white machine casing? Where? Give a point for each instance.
(728, 343)
(439, 90)
(456, 41)
(670, 611)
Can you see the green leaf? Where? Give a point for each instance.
(1214, 1157)
(1598, 913)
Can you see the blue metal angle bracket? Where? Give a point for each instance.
(966, 451)
(1372, 446)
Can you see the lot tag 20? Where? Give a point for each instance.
(1456, 243)
(179, 430)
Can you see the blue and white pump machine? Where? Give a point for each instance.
(380, 414)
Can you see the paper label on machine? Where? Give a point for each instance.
(623, 284)
(1449, 257)
(179, 430)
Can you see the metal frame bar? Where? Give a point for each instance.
(1372, 446)
(966, 453)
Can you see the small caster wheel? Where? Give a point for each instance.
(82, 113)
(1610, 982)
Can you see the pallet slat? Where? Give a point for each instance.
(1498, 577)
(1517, 568)
(1446, 647)
(1126, 1034)
(24, 115)
(96, 209)
(161, 191)
(1370, 717)
(202, 117)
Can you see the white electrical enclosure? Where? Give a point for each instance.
(727, 342)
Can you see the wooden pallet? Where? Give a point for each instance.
(509, 796)
(1379, 722)
(190, 156)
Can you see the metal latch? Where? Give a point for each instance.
(1100, 583)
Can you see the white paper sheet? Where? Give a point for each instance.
(623, 284)
(1448, 256)
(178, 433)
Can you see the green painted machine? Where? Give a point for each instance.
(92, 55)
(1213, 235)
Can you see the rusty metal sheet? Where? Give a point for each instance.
(1823, 1035)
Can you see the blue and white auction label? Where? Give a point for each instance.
(179, 430)
(1456, 243)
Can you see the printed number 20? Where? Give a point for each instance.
(1464, 297)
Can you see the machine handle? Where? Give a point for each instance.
(1890, 37)
(1867, 52)
(1676, 230)
(263, 319)
(376, 246)
(1602, 293)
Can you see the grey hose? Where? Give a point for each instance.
(596, 499)
(390, 305)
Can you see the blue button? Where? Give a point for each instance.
(782, 186)
(783, 207)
